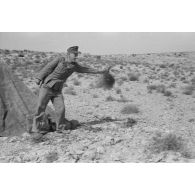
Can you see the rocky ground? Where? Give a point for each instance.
(148, 116)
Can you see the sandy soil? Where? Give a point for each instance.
(148, 116)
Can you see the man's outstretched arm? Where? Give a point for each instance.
(82, 69)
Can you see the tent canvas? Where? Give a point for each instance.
(17, 103)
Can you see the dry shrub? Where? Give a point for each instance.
(163, 66)
(123, 78)
(51, 157)
(118, 91)
(70, 91)
(76, 82)
(95, 96)
(122, 99)
(188, 90)
(193, 80)
(168, 142)
(160, 89)
(130, 122)
(167, 93)
(133, 76)
(110, 98)
(120, 82)
(130, 109)
(37, 61)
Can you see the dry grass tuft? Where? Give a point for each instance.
(130, 109)
(76, 82)
(51, 157)
(110, 98)
(70, 91)
(188, 90)
(169, 142)
(133, 76)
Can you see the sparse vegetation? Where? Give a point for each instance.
(163, 73)
(51, 157)
(130, 109)
(122, 99)
(188, 90)
(161, 142)
(133, 76)
(118, 91)
(70, 91)
(160, 88)
(95, 96)
(130, 122)
(76, 82)
(110, 98)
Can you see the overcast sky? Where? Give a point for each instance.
(100, 42)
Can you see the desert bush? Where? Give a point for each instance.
(6, 52)
(51, 157)
(162, 66)
(37, 61)
(123, 78)
(168, 142)
(172, 85)
(80, 75)
(130, 122)
(110, 98)
(167, 93)
(159, 88)
(130, 109)
(133, 76)
(119, 82)
(188, 90)
(146, 80)
(76, 82)
(193, 80)
(70, 91)
(21, 55)
(122, 99)
(95, 96)
(118, 91)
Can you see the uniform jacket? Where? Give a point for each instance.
(56, 72)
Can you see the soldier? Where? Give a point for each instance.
(51, 79)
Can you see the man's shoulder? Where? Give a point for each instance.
(60, 59)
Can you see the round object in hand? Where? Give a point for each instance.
(107, 81)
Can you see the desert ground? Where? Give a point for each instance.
(148, 116)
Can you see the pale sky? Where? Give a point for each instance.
(99, 42)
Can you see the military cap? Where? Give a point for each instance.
(73, 49)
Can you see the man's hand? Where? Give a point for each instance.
(107, 70)
(37, 81)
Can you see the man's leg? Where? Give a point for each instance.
(44, 97)
(58, 102)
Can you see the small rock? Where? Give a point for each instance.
(100, 150)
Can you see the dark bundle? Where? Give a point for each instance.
(106, 81)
